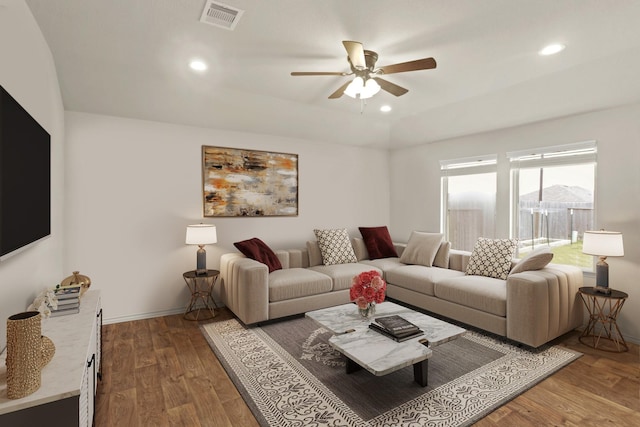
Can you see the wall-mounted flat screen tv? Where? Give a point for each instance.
(25, 178)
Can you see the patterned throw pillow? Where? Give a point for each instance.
(492, 257)
(335, 246)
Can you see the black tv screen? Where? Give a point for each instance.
(25, 177)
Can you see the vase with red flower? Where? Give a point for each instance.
(367, 290)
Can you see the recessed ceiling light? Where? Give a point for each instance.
(551, 49)
(385, 108)
(198, 65)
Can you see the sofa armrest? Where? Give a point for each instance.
(543, 304)
(245, 287)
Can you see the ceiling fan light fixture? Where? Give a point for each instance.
(355, 87)
(371, 87)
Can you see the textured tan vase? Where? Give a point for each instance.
(27, 353)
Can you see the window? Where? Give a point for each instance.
(553, 200)
(468, 200)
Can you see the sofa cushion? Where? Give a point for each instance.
(421, 248)
(360, 249)
(534, 260)
(482, 293)
(491, 257)
(315, 257)
(442, 256)
(258, 250)
(342, 274)
(335, 246)
(419, 278)
(384, 264)
(297, 282)
(378, 242)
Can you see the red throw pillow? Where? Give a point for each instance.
(258, 250)
(378, 242)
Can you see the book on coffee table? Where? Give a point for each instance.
(399, 338)
(397, 325)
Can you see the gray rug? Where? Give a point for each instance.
(290, 376)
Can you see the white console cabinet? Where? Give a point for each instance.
(69, 381)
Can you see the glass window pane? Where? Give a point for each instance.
(555, 207)
(471, 203)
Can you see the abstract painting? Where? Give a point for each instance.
(239, 182)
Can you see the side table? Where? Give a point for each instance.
(202, 306)
(602, 327)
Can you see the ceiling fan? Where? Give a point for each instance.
(367, 81)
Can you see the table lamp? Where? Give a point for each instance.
(201, 234)
(602, 244)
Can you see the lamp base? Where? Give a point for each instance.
(602, 276)
(201, 261)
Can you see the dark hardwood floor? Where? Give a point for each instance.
(161, 372)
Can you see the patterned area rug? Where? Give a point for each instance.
(290, 376)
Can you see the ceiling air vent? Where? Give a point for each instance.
(221, 15)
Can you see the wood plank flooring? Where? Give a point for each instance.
(161, 372)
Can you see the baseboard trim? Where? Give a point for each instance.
(141, 316)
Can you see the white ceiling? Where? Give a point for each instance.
(130, 58)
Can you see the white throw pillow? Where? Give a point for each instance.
(335, 246)
(492, 257)
(421, 248)
(534, 260)
(442, 256)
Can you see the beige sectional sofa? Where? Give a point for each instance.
(530, 307)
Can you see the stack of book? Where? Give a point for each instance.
(68, 300)
(396, 327)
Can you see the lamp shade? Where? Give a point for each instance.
(201, 234)
(603, 243)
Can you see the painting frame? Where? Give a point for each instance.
(241, 182)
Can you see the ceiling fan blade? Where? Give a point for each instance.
(392, 88)
(338, 93)
(356, 54)
(418, 64)
(318, 73)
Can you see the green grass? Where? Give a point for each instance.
(571, 254)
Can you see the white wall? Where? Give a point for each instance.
(133, 186)
(415, 185)
(27, 72)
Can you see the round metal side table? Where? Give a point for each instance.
(602, 331)
(202, 306)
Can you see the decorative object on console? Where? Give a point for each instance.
(258, 250)
(27, 353)
(367, 290)
(335, 246)
(492, 257)
(240, 182)
(201, 234)
(77, 279)
(44, 302)
(603, 244)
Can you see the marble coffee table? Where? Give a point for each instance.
(378, 354)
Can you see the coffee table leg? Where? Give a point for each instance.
(421, 372)
(352, 366)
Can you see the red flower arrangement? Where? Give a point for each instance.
(368, 287)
